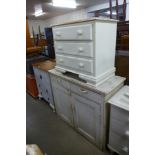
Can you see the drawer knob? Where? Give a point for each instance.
(59, 48)
(58, 34)
(61, 60)
(79, 32)
(81, 65)
(80, 49)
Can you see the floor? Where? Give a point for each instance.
(53, 135)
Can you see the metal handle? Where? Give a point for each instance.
(83, 90)
(81, 65)
(79, 32)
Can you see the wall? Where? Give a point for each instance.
(35, 24)
(106, 5)
(82, 14)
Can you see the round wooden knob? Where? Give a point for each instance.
(80, 49)
(79, 32)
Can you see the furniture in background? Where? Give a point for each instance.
(28, 39)
(122, 36)
(87, 48)
(31, 48)
(122, 64)
(31, 86)
(83, 106)
(43, 80)
(30, 59)
(49, 48)
(122, 50)
(119, 122)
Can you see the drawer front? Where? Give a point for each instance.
(72, 63)
(77, 32)
(78, 49)
(119, 114)
(119, 143)
(60, 84)
(83, 92)
(120, 128)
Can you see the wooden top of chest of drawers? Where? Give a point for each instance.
(45, 65)
(87, 20)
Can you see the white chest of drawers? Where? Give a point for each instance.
(119, 122)
(86, 48)
(43, 80)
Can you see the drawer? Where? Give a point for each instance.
(73, 32)
(119, 143)
(74, 48)
(119, 114)
(60, 84)
(83, 92)
(74, 63)
(120, 128)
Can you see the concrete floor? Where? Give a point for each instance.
(53, 135)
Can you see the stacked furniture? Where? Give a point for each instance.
(43, 80)
(119, 122)
(83, 79)
(87, 48)
(83, 106)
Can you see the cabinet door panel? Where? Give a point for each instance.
(87, 118)
(63, 105)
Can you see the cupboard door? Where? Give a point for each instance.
(87, 118)
(63, 105)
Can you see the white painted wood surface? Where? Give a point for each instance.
(74, 48)
(73, 32)
(119, 121)
(121, 98)
(82, 105)
(70, 44)
(44, 85)
(87, 118)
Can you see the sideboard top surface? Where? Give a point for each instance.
(105, 88)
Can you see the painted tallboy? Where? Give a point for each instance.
(87, 48)
(83, 106)
(119, 122)
(43, 80)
